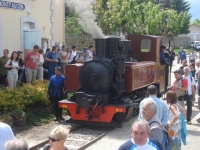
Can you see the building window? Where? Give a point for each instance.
(28, 25)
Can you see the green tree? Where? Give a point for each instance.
(180, 5)
(197, 21)
(72, 26)
(132, 16)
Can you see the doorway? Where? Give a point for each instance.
(31, 38)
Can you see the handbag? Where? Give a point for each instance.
(185, 97)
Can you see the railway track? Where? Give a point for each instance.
(80, 137)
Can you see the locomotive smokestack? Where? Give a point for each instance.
(100, 45)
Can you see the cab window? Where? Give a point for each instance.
(145, 45)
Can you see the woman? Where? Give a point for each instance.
(192, 70)
(13, 66)
(173, 121)
(57, 139)
(21, 65)
(40, 65)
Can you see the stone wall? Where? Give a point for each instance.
(179, 41)
(86, 40)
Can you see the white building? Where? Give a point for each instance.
(25, 23)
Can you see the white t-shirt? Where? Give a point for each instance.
(15, 64)
(147, 146)
(72, 55)
(6, 134)
(41, 60)
(190, 83)
(193, 56)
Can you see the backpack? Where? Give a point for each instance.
(168, 143)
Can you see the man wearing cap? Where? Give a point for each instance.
(56, 92)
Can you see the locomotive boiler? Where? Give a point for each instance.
(108, 90)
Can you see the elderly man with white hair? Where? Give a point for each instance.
(149, 110)
(162, 111)
(140, 138)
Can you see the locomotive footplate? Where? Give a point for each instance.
(97, 113)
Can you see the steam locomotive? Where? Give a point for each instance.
(109, 88)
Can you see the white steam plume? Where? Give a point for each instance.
(86, 16)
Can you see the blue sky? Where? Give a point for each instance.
(195, 9)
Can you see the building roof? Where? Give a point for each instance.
(194, 24)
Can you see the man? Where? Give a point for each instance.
(198, 120)
(3, 71)
(72, 54)
(179, 54)
(6, 134)
(90, 53)
(140, 141)
(55, 91)
(17, 144)
(52, 60)
(184, 64)
(63, 58)
(58, 54)
(30, 62)
(172, 57)
(149, 110)
(179, 86)
(162, 112)
(162, 55)
(193, 56)
(191, 93)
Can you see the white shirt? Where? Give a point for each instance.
(193, 56)
(147, 146)
(190, 83)
(72, 55)
(41, 60)
(6, 134)
(14, 70)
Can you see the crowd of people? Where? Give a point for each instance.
(37, 64)
(155, 115)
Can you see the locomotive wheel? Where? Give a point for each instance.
(119, 117)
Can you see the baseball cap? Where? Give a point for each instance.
(58, 68)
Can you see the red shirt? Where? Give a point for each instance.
(184, 83)
(31, 60)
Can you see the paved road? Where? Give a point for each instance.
(117, 137)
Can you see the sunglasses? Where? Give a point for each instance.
(52, 139)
